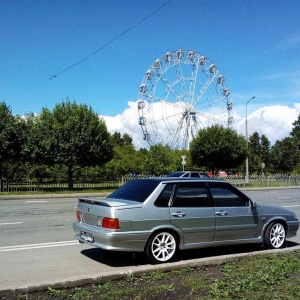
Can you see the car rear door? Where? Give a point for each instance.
(235, 217)
(192, 212)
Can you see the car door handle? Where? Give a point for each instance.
(178, 214)
(221, 213)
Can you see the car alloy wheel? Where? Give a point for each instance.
(275, 235)
(161, 248)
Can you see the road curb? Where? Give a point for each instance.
(137, 271)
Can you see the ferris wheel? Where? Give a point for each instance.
(182, 92)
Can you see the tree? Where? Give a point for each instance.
(13, 152)
(217, 148)
(71, 135)
(284, 155)
(254, 152)
(118, 140)
(158, 160)
(126, 160)
(295, 133)
(176, 160)
(296, 138)
(265, 151)
(259, 151)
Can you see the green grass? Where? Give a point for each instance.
(264, 276)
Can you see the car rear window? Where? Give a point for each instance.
(135, 190)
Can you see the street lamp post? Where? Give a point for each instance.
(247, 159)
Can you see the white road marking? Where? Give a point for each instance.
(37, 201)
(38, 246)
(15, 223)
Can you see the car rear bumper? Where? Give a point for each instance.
(110, 239)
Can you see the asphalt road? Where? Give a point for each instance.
(37, 245)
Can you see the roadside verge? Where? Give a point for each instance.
(136, 271)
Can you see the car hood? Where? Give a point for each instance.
(272, 209)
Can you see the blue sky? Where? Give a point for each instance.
(256, 45)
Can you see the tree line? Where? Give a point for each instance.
(71, 141)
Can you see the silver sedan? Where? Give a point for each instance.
(159, 216)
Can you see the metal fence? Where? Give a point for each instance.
(274, 180)
(51, 185)
(47, 185)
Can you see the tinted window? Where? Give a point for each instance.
(191, 194)
(165, 196)
(136, 190)
(226, 197)
(195, 175)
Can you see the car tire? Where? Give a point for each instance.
(161, 247)
(275, 235)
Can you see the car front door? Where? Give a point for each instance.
(192, 212)
(236, 218)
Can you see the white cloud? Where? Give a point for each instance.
(273, 121)
(127, 122)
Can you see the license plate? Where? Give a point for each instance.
(87, 237)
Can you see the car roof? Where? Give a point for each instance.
(178, 179)
(185, 172)
(182, 172)
(177, 173)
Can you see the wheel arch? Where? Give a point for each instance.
(266, 232)
(274, 220)
(177, 235)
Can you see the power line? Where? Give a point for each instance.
(111, 41)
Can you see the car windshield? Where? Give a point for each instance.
(135, 190)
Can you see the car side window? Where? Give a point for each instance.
(164, 198)
(195, 175)
(190, 194)
(225, 197)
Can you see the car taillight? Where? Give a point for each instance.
(78, 216)
(110, 223)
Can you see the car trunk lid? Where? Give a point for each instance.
(92, 211)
